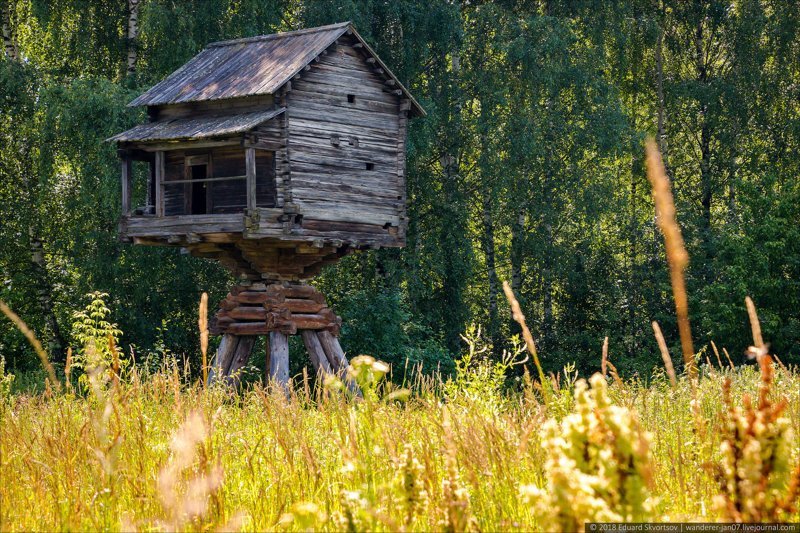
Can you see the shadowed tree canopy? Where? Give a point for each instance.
(527, 168)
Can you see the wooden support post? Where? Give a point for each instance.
(240, 358)
(250, 165)
(333, 351)
(160, 183)
(126, 186)
(316, 352)
(222, 360)
(266, 358)
(279, 357)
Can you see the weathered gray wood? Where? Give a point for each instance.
(250, 164)
(148, 226)
(145, 221)
(126, 186)
(333, 351)
(159, 183)
(238, 105)
(186, 144)
(222, 359)
(240, 358)
(356, 181)
(279, 357)
(315, 352)
(207, 180)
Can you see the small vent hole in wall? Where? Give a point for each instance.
(370, 166)
(351, 98)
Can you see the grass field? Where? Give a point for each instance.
(154, 452)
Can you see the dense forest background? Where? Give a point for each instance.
(528, 168)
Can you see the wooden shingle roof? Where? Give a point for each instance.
(196, 127)
(253, 66)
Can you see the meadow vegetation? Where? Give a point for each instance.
(156, 450)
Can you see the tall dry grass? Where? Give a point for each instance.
(158, 452)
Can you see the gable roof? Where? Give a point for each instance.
(253, 66)
(196, 127)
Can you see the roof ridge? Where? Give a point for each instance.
(278, 35)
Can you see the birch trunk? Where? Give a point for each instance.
(9, 43)
(44, 293)
(132, 36)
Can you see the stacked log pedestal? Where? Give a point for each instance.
(276, 310)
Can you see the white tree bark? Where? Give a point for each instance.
(9, 43)
(132, 36)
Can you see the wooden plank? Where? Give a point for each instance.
(316, 353)
(310, 156)
(188, 144)
(126, 186)
(319, 137)
(390, 205)
(340, 100)
(279, 358)
(160, 183)
(207, 180)
(239, 105)
(248, 313)
(338, 114)
(250, 157)
(323, 210)
(147, 222)
(311, 122)
(353, 187)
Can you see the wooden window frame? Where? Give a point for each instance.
(197, 160)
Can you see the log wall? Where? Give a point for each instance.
(344, 154)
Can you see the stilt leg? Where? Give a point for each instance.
(333, 351)
(335, 354)
(222, 360)
(279, 357)
(266, 358)
(316, 352)
(239, 359)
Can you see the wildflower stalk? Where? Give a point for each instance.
(597, 467)
(677, 258)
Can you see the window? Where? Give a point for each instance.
(351, 98)
(370, 166)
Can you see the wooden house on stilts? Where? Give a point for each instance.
(274, 155)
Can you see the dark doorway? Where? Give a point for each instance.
(199, 190)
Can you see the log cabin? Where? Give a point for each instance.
(274, 155)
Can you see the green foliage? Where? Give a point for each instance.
(97, 338)
(598, 465)
(6, 381)
(480, 381)
(527, 168)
